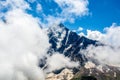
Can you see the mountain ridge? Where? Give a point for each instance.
(69, 43)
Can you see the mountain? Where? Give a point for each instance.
(69, 43)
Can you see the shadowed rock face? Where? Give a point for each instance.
(66, 42)
(69, 43)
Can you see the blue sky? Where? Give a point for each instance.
(102, 13)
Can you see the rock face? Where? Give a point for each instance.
(87, 73)
(98, 73)
(66, 74)
(68, 43)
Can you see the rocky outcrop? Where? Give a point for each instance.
(66, 74)
(99, 72)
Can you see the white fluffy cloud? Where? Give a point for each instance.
(23, 43)
(70, 9)
(95, 35)
(58, 61)
(110, 53)
(105, 55)
(110, 35)
(75, 7)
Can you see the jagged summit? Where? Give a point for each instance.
(68, 42)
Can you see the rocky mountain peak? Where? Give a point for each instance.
(67, 42)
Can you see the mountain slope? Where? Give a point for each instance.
(104, 73)
(68, 43)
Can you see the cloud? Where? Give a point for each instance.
(58, 61)
(76, 7)
(110, 35)
(8, 5)
(72, 9)
(66, 11)
(11, 4)
(110, 53)
(23, 43)
(95, 35)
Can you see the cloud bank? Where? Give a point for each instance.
(110, 53)
(23, 43)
